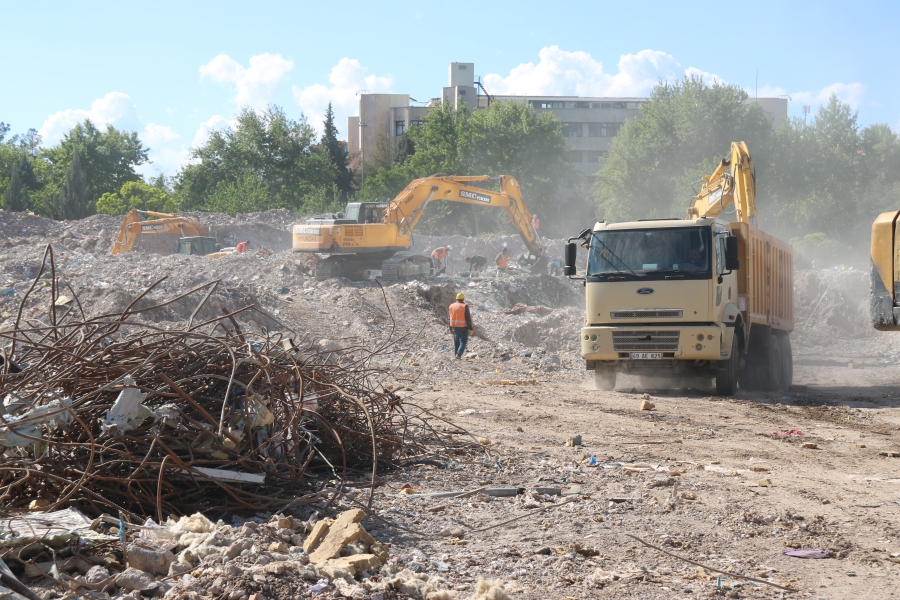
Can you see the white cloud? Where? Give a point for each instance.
(563, 73)
(705, 75)
(115, 108)
(346, 78)
(166, 154)
(255, 86)
(214, 123)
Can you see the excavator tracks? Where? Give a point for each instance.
(406, 266)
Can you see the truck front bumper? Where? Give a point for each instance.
(707, 341)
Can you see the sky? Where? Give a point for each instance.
(174, 71)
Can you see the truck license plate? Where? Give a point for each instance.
(645, 355)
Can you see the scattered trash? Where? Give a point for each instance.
(575, 440)
(807, 553)
(888, 453)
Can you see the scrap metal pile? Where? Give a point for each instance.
(112, 414)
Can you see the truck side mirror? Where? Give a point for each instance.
(570, 255)
(732, 262)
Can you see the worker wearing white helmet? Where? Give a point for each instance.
(440, 257)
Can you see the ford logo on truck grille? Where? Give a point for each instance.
(645, 291)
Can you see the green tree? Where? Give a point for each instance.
(680, 136)
(139, 195)
(337, 153)
(265, 148)
(15, 198)
(72, 200)
(107, 160)
(506, 138)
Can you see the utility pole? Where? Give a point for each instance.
(362, 147)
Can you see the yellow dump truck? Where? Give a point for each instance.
(699, 296)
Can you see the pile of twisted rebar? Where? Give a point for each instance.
(112, 414)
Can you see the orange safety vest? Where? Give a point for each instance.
(440, 253)
(536, 223)
(502, 261)
(242, 247)
(458, 315)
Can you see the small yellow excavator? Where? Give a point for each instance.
(194, 237)
(375, 235)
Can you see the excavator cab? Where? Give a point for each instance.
(197, 245)
(364, 212)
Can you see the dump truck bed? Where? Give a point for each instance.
(765, 281)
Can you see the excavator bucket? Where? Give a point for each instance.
(883, 308)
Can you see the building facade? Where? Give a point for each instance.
(588, 124)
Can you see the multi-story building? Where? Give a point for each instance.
(589, 124)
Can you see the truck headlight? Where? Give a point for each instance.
(699, 346)
(587, 337)
(593, 338)
(699, 337)
(596, 347)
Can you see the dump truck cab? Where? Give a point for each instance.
(661, 297)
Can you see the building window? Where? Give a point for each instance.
(463, 67)
(546, 104)
(632, 105)
(603, 129)
(573, 156)
(618, 104)
(569, 104)
(462, 92)
(597, 157)
(602, 104)
(415, 123)
(571, 130)
(400, 127)
(582, 105)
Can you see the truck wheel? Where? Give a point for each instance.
(787, 363)
(604, 377)
(726, 374)
(774, 366)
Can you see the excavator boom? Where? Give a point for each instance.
(732, 183)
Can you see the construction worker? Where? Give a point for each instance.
(555, 267)
(242, 247)
(460, 324)
(476, 263)
(536, 224)
(502, 260)
(440, 257)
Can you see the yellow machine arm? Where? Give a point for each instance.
(731, 183)
(408, 207)
(132, 226)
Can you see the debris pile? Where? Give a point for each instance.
(111, 414)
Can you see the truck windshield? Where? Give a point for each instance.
(682, 253)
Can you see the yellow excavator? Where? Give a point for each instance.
(376, 235)
(884, 308)
(194, 237)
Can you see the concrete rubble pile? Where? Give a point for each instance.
(193, 558)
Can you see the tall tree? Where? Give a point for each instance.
(337, 153)
(72, 200)
(15, 198)
(677, 139)
(107, 160)
(264, 148)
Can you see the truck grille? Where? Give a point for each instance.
(646, 313)
(645, 341)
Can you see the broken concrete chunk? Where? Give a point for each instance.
(344, 530)
(356, 563)
(134, 579)
(320, 530)
(150, 560)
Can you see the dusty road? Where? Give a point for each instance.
(707, 478)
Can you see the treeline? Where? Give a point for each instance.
(265, 161)
(820, 183)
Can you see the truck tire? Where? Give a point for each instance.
(774, 366)
(727, 373)
(787, 363)
(604, 377)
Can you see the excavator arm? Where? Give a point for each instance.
(408, 207)
(132, 226)
(732, 183)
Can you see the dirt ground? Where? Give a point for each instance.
(730, 483)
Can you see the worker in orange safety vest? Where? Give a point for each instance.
(460, 325)
(502, 260)
(242, 247)
(440, 257)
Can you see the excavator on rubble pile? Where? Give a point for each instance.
(194, 237)
(884, 297)
(375, 235)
